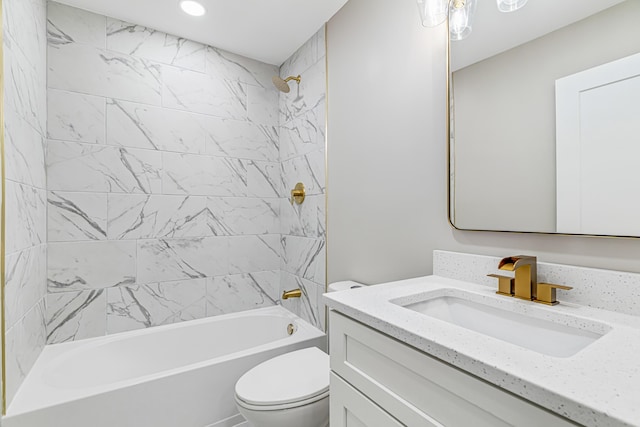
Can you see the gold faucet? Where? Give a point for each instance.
(295, 293)
(526, 280)
(525, 284)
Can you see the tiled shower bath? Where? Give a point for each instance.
(168, 169)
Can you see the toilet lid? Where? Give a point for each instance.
(291, 377)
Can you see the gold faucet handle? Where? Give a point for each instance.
(505, 284)
(298, 193)
(547, 293)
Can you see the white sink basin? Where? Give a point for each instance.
(524, 330)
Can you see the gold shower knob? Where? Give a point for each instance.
(298, 193)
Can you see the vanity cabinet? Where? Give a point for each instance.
(377, 381)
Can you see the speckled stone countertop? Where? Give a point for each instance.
(598, 386)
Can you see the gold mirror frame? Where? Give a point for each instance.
(450, 117)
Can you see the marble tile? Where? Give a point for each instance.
(90, 167)
(309, 95)
(239, 292)
(203, 175)
(144, 42)
(262, 105)
(79, 266)
(24, 343)
(303, 134)
(201, 93)
(24, 152)
(76, 216)
(66, 24)
(300, 220)
(308, 306)
(25, 22)
(75, 117)
(304, 257)
(321, 48)
(232, 216)
(321, 203)
(302, 59)
(136, 307)
(157, 216)
(178, 259)
(74, 316)
(25, 86)
(143, 126)
(26, 282)
(263, 179)
(308, 169)
(230, 66)
(26, 212)
(86, 69)
(248, 254)
(241, 139)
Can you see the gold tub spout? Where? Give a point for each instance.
(295, 293)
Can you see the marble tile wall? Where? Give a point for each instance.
(302, 153)
(24, 31)
(164, 179)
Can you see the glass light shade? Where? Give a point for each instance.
(510, 5)
(461, 18)
(433, 12)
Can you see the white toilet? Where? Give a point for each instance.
(291, 390)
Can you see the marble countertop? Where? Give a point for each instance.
(598, 386)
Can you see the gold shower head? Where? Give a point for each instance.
(282, 85)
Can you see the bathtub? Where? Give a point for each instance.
(179, 375)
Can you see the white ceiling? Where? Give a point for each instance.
(495, 32)
(266, 30)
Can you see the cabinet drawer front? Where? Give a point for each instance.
(349, 408)
(413, 386)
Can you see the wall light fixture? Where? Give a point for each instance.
(459, 12)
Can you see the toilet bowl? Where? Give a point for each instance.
(291, 390)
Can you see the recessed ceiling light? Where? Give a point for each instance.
(192, 8)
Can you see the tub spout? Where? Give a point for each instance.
(295, 293)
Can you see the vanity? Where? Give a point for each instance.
(440, 351)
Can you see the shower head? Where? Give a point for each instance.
(282, 84)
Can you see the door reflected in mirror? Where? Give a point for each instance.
(527, 157)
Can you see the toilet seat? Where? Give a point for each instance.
(291, 380)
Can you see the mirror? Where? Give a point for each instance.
(545, 135)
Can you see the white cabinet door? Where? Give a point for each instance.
(419, 390)
(597, 150)
(349, 408)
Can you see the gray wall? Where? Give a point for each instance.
(506, 120)
(387, 191)
(24, 105)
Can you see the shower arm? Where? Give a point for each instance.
(297, 79)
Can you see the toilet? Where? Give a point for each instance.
(291, 390)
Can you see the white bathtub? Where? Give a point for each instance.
(179, 375)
